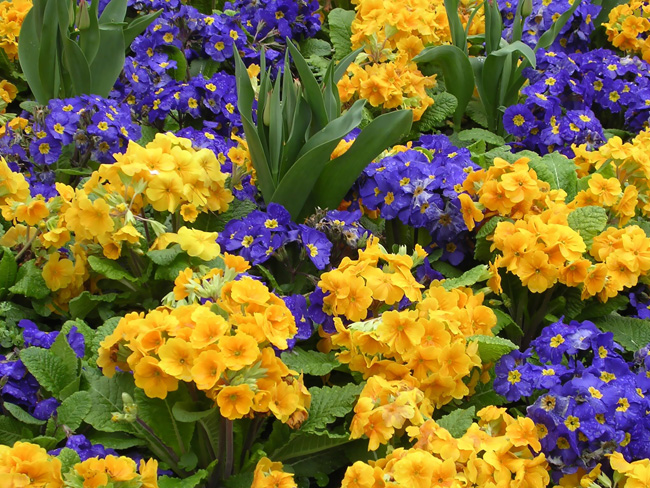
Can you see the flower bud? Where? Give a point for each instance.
(527, 8)
(83, 18)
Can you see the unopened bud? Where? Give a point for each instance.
(83, 18)
(266, 117)
(527, 8)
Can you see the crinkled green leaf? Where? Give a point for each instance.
(329, 403)
(458, 421)
(559, 171)
(315, 47)
(12, 430)
(477, 134)
(468, 278)
(340, 22)
(598, 309)
(68, 458)
(110, 269)
(53, 368)
(30, 282)
(107, 398)
(482, 249)
(21, 415)
(190, 411)
(632, 334)
(300, 445)
(588, 222)
(164, 257)
(74, 409)
(484, 396)
(8, 270)
(444, 106)
(115, 440)
(190, 482)
(310, 362)
(491, 348)
(86, 302)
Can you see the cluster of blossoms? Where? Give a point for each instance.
(392, 34)
(589, 401)
(420, 187)
(269, 474)
(574, 35)
(21, 387)
(262, 234)
(426, 347)
(541, 247)
(628, 27)
(358, 287)
(499, 450)
(91, 128)
(8, 92)
(156, 85)
(641, 303)
(107, 216)
(571, 97)
(12, 14)
(230, 359)
(25, 464)
(629, 162)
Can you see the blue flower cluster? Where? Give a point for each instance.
(588, 401)
(86, 449)
(573, 37)
(298, 306)
(420, 187)
(21, 387)
(172, 70)
(640, 300)
(260, 234)
(570, 98)
(87, 127)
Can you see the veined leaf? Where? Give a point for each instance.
(468, 278)
(589, 222)
(632, 334)
(329, 403)
(310, 362)
(491, 348)
(458, 421)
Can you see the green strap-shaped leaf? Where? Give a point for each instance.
(115, 11)
(457, 71)
(276, 134)
(296, 140)
(331, 94)
(106, 69)
(342, 67)
(340, 174)
(262, 100)
(295, 187)
(48, 62)
(310, 86)
(493, 26)
(89, 37)
(76, 64)
(458, 37)
(549, 36)
(245, 98)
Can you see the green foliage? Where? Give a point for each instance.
(589, 222)
(596, 308)
(238, 209)
(298, 127)
(340, 23)
(190, 482)
(491, 348)
(557, 170)
(483, 397)
(458, 421)
(81, 305)
(12, 430)
(20, 414)
(468, 278)
(315, 47)
(68, 458)
(55, 368)
(444, 106)
(329, 403)
(8, 270)
(478, 134)
(30, 282)
(632, 334)
(189, 411)
(110, 269)
(482, 248)
(68, 50)
(310, 362)
(74, 409)
(107, 398)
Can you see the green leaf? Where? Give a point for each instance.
(315, 47)
(458, 421)
(574, 304)
(444, 106)
(138, 25)
(157, 414)
(30, 282)
(115, 440)
(468, 278)
(68, 458)
(632, 334)
(48, 59)
(106, 69)
(484, 396)
(329, 403)
(190, 411)
(164, 257)
(110, 269)
(180, 72)
(55, 368)
(107, 398)
(482, 249)
(589, 222)
(74, 409)
(21, 415)
(89, 37)
(85, 303)
(115, 11)
(191, 482)
(30, 39)
(170, 272)
(310, 362)
(491, 348)
(477, 134)
(447, 270)
(549, 36)
(238, 209)
(457, 72)
(77, 66)
(340, 22)
(101, 333)
(559, 171)
(45, 441)
(12, 430)
(301, 445)
(8, 270)
(504, 321)
(476, 112)
(598, 309)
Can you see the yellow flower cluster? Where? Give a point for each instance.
(270, 475)
(541, 248)
(112, 470)
(496, 451)
(8, 92)
(375, 278)
(29, 465)
(426, 347)
(393, 33)
(12, 14)
(635, 474)
(224, 349)
(628, 26)
(242, 164)
(107, 216)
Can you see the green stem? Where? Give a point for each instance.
(27, 245)
(530, 331)
(226, 441)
